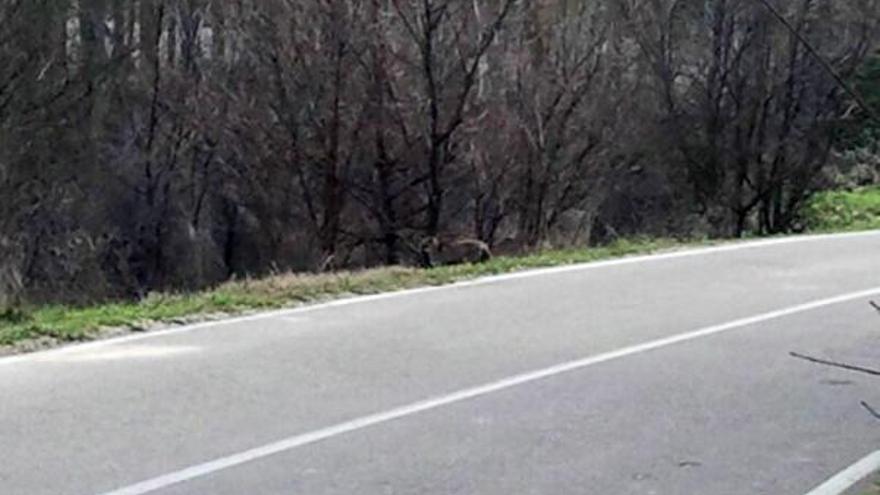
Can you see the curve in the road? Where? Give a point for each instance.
(287, 444)
(684, 253)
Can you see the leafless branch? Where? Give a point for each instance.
(836, 364)
(871, 410)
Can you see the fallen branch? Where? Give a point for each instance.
(835, 364)
(860, 369)
(871, 409)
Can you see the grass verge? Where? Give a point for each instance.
(54, 325)
(868, 486)
(832, 211)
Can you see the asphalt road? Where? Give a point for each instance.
(666, 375)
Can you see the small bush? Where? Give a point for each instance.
(14, 316)
(858, 209)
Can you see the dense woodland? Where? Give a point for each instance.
(169, 145)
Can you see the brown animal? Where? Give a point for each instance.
(437, 252)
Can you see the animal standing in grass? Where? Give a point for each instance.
(436, 251)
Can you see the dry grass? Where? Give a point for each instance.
(54, 325)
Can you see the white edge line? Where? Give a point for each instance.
(627, 260)
(847, 478)
(290, 443)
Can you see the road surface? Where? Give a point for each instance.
(655, 375)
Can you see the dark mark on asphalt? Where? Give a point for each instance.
(836, 383)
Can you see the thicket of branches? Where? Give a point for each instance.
(156, 144)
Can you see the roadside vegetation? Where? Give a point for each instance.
(163, 147)
(59, 324)
(163, 162)
(48, 325)
(836, 211)
(873, 487)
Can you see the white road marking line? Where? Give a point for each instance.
(290, 443)
(685, 253)
(126, 353)
(847, 478)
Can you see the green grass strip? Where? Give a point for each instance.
(72, 324)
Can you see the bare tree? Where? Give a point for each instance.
(160, 145)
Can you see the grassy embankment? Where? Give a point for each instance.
(59, 324)
(831, 211)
